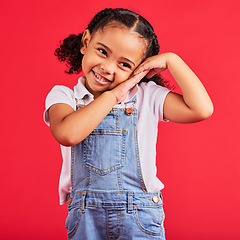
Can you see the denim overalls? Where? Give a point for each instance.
(108, 198)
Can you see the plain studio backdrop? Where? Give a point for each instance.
(198, 163)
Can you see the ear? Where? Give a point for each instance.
(85, 41)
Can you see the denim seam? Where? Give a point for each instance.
(107, 131)
(117, 120)
(124, 205)
(137, 152)
(75, 205)
(96, 170)
(123, 155)
(118, 192)
(119, 213)
(110, 234)
(72, 167)
(108, 223)
(119, 173)
(88, 178)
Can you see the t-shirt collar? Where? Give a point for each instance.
(80, 91)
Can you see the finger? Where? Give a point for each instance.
(140, 69)
(137, 78)
(151, 73)
(146, 66)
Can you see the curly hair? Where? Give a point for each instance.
(69, 49)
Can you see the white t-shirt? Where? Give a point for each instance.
(149, 104)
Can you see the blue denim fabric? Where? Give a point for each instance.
(109, 198)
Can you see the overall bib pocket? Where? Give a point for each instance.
(110, 141)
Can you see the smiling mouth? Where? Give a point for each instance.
(100, 79)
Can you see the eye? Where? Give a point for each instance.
(125, 65)
(102, 51)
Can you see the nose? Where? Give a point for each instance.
(108, 67)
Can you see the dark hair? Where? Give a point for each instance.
(69, 50)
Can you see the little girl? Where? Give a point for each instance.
(107, 125)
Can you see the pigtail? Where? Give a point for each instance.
(69, 52)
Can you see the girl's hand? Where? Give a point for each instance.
(122, 89)
(148, 68)
(194, 104)
(153, 65)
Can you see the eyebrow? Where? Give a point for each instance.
(106, 47)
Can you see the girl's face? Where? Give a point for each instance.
(110, 57)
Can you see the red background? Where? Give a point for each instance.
(199, 163)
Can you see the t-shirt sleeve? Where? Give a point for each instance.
(155, 95)
(58, 94)
(160, 93)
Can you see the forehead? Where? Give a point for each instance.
(123, 42)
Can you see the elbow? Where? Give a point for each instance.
(69, 140)
(206, 113)
(66, 142)
(65, 138)
(209, 111)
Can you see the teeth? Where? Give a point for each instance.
(100, 78)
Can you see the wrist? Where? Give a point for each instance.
(172, 58)
(110, 96)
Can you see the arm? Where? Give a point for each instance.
(195, 104)
(70, 127)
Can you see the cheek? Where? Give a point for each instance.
(85, 64)
(123, 77)
(127, 75)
